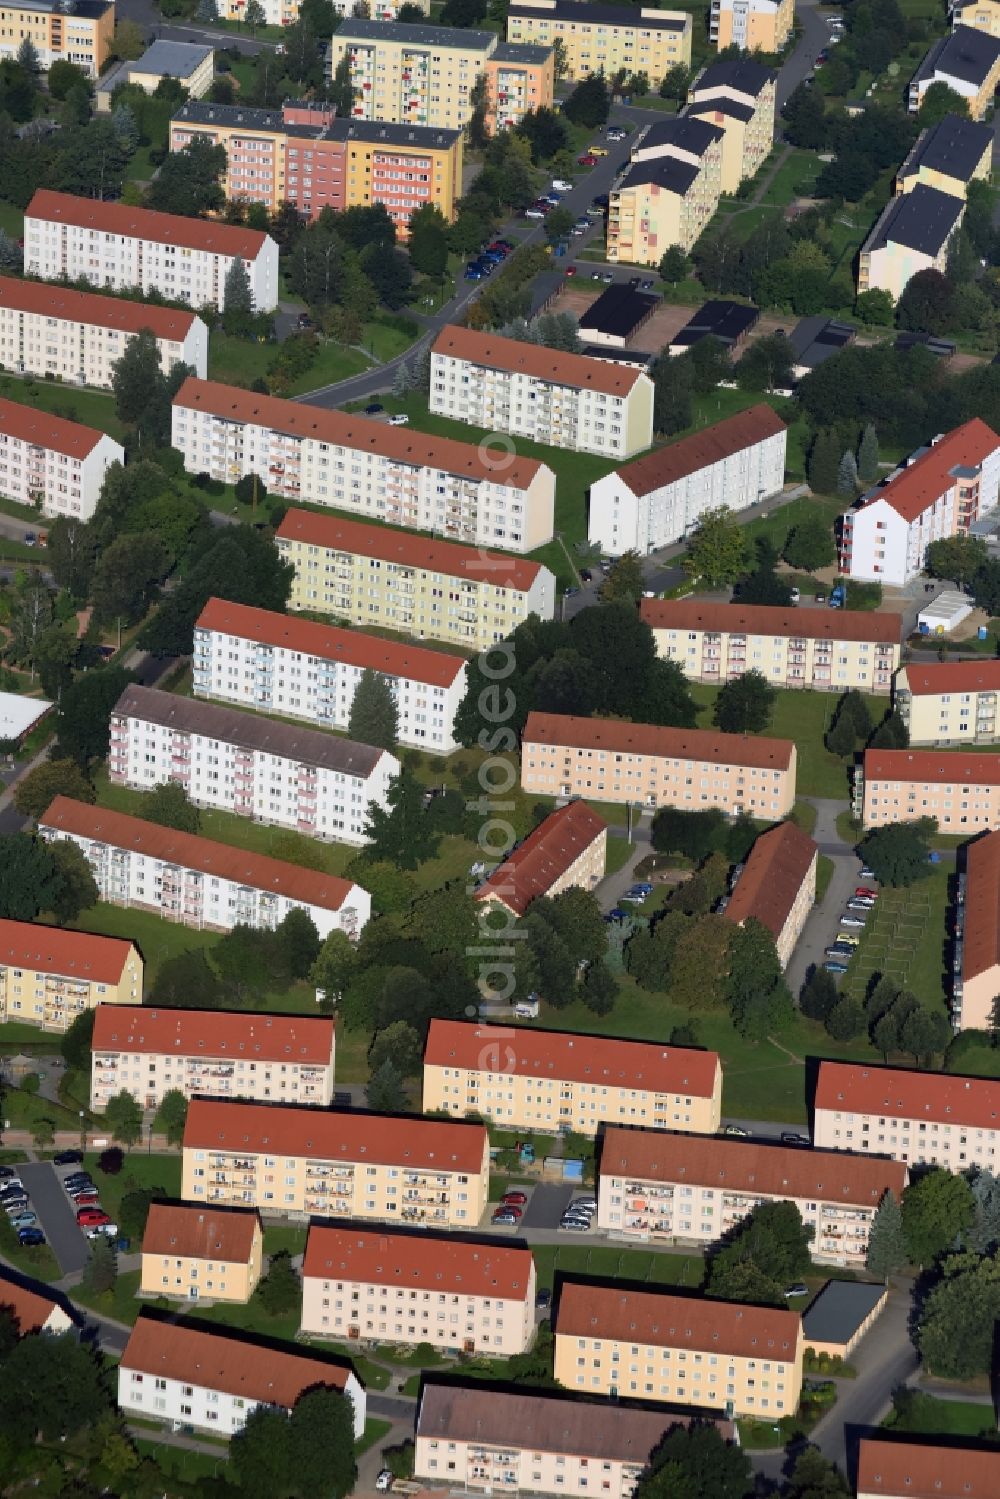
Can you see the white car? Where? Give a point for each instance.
(533, 213)
(796, 595)
(560, 185)
(383, 1482)
(399, 420)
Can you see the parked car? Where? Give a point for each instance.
(575, 1225)
(838, 952)
(796, 595)
(7, 1172)
(571, 270)
(860, 903)
(473, 273)
(533, 213)
(504, 1219)
(867, 890)
(15, 1202)
(23, 1219)
(30, 538)
(560, 185)
(866, 873)
(848, 937)
(797, 1290)
(853, 918)
(588, 159)
(30, 1237)
(91, 1217)
(633, 896)
(399, 420)
(543, 1299)
(833, 965)
(99, 1230)
(515, 1199)
(13, 1188)
(790, 1138)
(383, 1482)
(11, 1182)
(736, 1129)
(584, 1205)
(67, 1158)
(597, 150)
(373, 409)
(85, 1199)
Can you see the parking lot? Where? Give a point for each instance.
(543, 1211)
(56, 1213)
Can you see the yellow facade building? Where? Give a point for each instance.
(49, 976)
(982, 15)
(968, 61)
(199, 1254)
(649, 1345)
(669, 192)
(949, 704)
(81, 33)
(912, 233)
(752, 25)
(961, 791)
(605, 38)
(737, 95)
(948, 156)
(554, 1081)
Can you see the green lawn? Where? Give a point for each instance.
(156, 939)
(237, 361)
(12, 220)
(93, 408)
(249, 1318)
(287, 1236)
(120, 1304)
(15, 1034)
(179, 1462)
(23, 1110)
(141, 1169)
(373, 1433)
(619, 853)
(950, 1418)
(619, 1264)
(905, 939)
(794, 178)
(37, 1260)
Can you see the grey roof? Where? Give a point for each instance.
(393, 135)
(521, 52)
(922, 220)
(953, 146)
(415, 33)
(720, 105)
(624, 356)
(171, 59)
(618, 311)
(717, 318)
(200, 112)
(814, 339)
(666, 171)
(249, 730)
(966, 53)
(616, 16)
(839, 1310)
(942, 348)
(739, 73)
(685, 132)
(542, 1422)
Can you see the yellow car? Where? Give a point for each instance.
(848, 937)
(597, 150)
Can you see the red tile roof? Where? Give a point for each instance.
(44, 299)
(772, 877)
(83, 956)
(31, 1309)
(772, 619)
(953, 676)
(424, 1262)
(928, 477)
(118, 829)
(749, 1166)
(300, 1039)
(933, 766)
(910, 1469)
(287, 632)
(188, 1232)
(711, 445)
(981, 931)
(498, 353)
(146, 223)
(666, 1321)
(217, 1360)
(617, 736)
(544, 857)
(858, 1088)
(407, 549)
(344, 429)
(45, 431)
(522, 1052)
(329, 1135)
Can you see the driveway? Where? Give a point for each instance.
(546, 1206)
(815, 35)
(823, 922)
(56, 1215)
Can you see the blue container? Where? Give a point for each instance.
(982, 632)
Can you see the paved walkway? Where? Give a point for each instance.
(823, 921)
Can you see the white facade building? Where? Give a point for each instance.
(368, 468)
(248, 765)
(197, 882)
(53, 463)
(121, 248)
(300, 669)
(77, 336)
(657, 499)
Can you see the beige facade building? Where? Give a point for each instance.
(555, 1081)
(961, 791)
(605, 38)
(976, 956)
(568, 849)
(949, 156)
(953, 702)
(753, 25)
(199, 1254)
(649, 1345)
(777, 886)
(737, 95)
(968, 61)
(669, 191)
(363, 1285)
(369, 575)
(913, 233)
(984, 15)
(608, 760)
(657, 1185)
(488, 1441)
(920, 1118)
(566, 400)
(827, 650)
(48, 976)
(912, 1469)
(149, 1051)
(304, 1161)
(81, 35)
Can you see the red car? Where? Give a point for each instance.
(571, 270)
(867, 892)
(514, 1199)
(91, 1217)
(586, 160)
(85, 1199)
(510, 1207)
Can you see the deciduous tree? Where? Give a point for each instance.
(745, 705)
(938, 1209)
(719, 550)
(123, 1116)
(172, 1115)
(898, 853)
(33, 794)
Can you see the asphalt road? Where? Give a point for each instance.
(814, 37)
(56, 1215)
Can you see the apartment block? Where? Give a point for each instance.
(335, 1164)
(968, 61)
(961, 791)
(566, 850)
(484, 1441)
(913, 233)
(212, 1380)
(920, 1118)
(49, 976)
(249, 765)
(611, 761)
(150, 1051)
(303, 155)
(286, 12)
(368, 575)
(752, 25)
(976, 951)
(656, 500)
(777, 886)
(737, 95)
(554, 1081)
(194, 1254)
(81, 34)
(650, 1345)
(912, 1469)
(567, 400)
(394, 474)
(605, 38)
(299, 669)
(948, 156)
(464, 1297)
(77, 336)
(953, 703)
(122, 248)
(822, 650)
(937, 493)
(982, 15)
(415, 74)
(32, 1311)
(656, 1185)
(57, 465)
(669, 191)
(197, 882)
